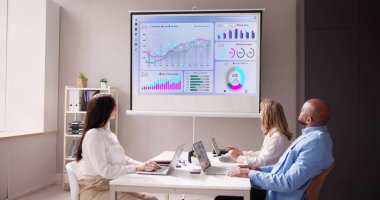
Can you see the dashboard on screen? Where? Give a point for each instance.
(200, 53)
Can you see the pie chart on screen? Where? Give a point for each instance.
(235, 78)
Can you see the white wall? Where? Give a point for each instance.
(27, 163)
(31, 92)
(95, 37)
(3, 61)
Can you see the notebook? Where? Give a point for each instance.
(165, 170)
(205, 162)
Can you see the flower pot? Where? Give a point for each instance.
(103, 84)
(195, 161)
(82, 82)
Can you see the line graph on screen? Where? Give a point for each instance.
(176, 47)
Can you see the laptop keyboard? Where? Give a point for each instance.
(225, 159)
(217, 170)
(163, 168)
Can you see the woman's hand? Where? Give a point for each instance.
(250, 167)
(148, 166)
(234, 152)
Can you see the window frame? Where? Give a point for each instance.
(3, 60)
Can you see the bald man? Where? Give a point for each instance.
(305, 158)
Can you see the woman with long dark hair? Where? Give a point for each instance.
(102, 156)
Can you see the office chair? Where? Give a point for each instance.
(312, 191)
(73, 174)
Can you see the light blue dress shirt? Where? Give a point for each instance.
(305, 158)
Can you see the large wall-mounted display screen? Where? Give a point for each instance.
(201, 61)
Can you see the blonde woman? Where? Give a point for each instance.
(276, 137)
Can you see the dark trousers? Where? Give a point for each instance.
(256, 194)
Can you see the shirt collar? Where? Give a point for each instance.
(308, 130)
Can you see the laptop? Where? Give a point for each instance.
(165, 170)
(216, 148)
(205, 162)
(220, 153)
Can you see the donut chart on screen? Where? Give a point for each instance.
(235, 78)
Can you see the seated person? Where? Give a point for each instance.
(306, 157)
(276, 137)
(101, 154)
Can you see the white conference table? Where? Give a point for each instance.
(181, 181)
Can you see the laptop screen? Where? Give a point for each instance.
(202, 155)
(215, 147)
(166, 170)
(176, 156)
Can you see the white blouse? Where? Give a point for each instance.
(103, 155)
(274, 145)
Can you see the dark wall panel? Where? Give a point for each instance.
(369, 13)
(333, 77)
(332, 13)
(347, 195)
(342, 66)
(369, 110)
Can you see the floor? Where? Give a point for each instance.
(57, 193)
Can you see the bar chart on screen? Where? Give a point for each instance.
(235, 31)
(161, 81)
(198, 81)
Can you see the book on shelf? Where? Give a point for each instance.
(74, 101)
(84, 98)
(74, 132)
(70, 149)
(77, 100)
(73, 148)
(78, 124)
(75, 127)
(71, 101)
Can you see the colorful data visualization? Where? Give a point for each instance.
(196, 54)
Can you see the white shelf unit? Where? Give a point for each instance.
(79, 115)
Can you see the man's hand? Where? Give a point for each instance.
(241, 172)
(234, 152)
(148, 166)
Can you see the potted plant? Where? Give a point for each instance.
(192, 158)
(82, 80)
(103, 82)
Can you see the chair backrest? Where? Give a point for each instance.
(312, 191)
(72, 169)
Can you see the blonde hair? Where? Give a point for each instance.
(272, 116)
